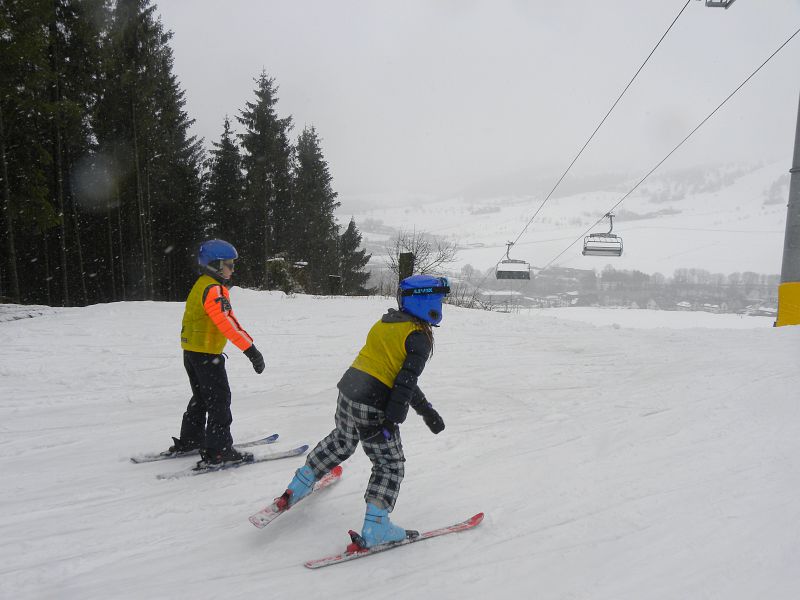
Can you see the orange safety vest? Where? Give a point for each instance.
(208, 319)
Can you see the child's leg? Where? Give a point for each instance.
(339, 444)
(388, 462)
(193, 425)
(215, 391)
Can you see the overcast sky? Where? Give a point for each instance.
(433, 97)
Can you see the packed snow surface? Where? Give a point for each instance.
(617, 454)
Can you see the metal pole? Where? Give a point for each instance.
(789, 289)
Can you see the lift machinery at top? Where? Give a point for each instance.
(603, 244)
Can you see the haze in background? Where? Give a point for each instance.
(429, 99)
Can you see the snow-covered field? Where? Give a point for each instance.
(617, 454)
(652, 319)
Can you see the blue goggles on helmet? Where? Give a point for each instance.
(442, 289)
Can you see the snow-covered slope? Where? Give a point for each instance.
(724, 220)
(616, 460)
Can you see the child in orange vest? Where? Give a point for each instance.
(208, 324)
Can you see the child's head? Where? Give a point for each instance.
(216, 257)
(421, 296)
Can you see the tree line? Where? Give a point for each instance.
(612, 287)
(106, 195)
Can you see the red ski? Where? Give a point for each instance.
(355, 551)
(266, 515)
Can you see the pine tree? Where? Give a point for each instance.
(172, 182)
(352, 262)
(267, 199)
(25, 149)
(75, 36)
(314, 229)
(223, 194)
(153, 206)
(93, 138)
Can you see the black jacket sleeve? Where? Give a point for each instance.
(418, 349)
(418, 401)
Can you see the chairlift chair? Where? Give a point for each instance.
(603, 244)
(719, 3)
(510, 268)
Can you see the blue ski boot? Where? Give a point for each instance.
(378, 529)
(301, 486)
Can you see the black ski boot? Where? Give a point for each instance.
(212, 456)
(180, 447)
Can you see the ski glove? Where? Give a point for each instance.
(432, 418)
(256, 358)
(378, 434)
(396, 410)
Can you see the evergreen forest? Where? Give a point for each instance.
(105, 193)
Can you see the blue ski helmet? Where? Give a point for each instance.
(421, 296)
(212, 251)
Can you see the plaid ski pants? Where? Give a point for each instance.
(357, 422)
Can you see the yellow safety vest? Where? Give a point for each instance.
(385, 351)
(198, 333)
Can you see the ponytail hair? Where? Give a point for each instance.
(427, 329)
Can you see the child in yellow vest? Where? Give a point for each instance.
(374, 396)
(208, 324)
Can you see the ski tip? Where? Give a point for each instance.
(476, 519)
(257, 522)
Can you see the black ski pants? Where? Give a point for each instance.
(211, 395)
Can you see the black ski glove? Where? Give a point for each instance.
(378, 434)
(256, 358)
(396, 410)
(432, 418)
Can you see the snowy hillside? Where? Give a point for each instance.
(722, 220)
(616, 460)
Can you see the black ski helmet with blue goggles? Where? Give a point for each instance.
(213, 252)
(421, 296)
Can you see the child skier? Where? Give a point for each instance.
(208, 323)
(374, 396)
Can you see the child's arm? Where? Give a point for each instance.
(218, 307)
(418, 349)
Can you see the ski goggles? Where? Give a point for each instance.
(442, 289)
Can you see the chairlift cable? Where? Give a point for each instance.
(580, 152)
(613, 106)
(671, 152)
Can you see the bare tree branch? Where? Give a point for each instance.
(431, 254)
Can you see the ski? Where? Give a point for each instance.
(268, 514)
(355, 550)
(166, 454)
(199, 470)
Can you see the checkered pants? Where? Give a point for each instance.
(357, 422)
